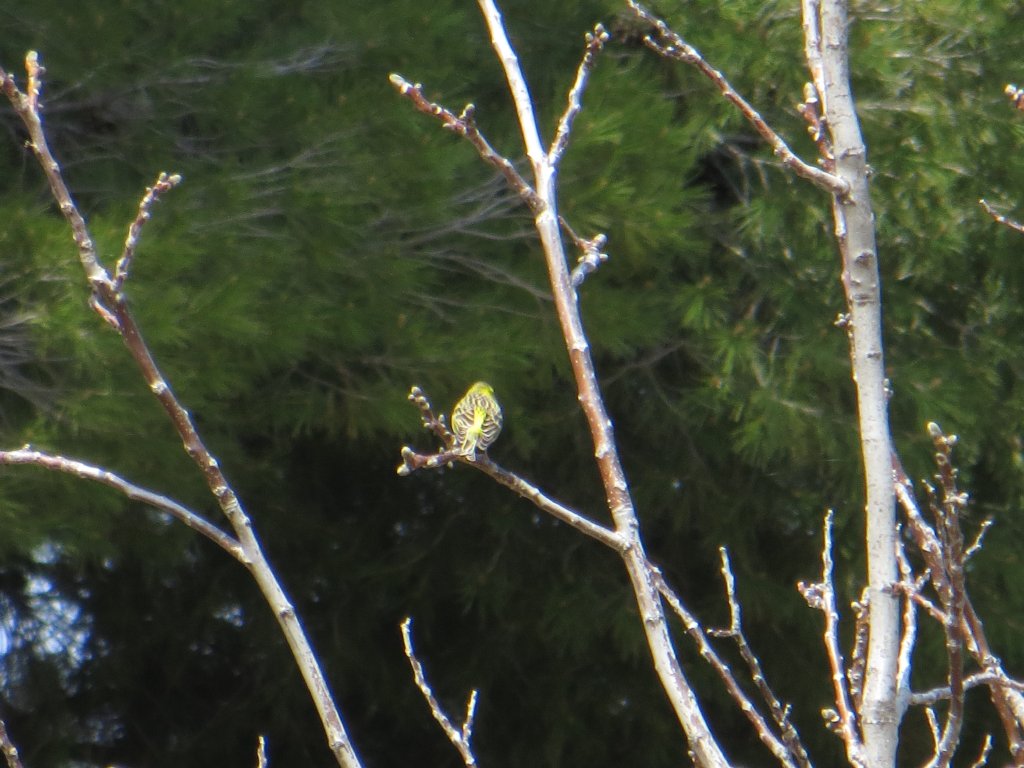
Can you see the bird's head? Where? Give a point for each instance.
(482, 388)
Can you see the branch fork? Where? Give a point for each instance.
(109, 302)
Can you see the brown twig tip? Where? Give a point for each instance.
(35, 72)
(430, 422)
(943, 443)
(810, 109)
(1016, 96)
(164, 183)
(999, 218)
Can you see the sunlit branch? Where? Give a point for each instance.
(669, 44)
(164, 183)
(459, 737)
(1000, 218)
(129, 490)
(821, 596)
(9, 749)
(594, 44)
(109, 301)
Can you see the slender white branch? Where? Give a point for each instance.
(707, 751)
(111, 304)
(517, 87)
(8, 748)
(822, 596)
(595, 42)
(671, 45)
(855, 233)
(459, 737)
(134, 492)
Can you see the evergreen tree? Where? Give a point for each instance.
(331, 247)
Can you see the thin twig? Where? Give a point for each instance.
(999, 218)
(983, 754)
(519, 91)
(992, 677)
(780, 712)
(27, 107)
(858, 652)
(975, 545)
(670, 45)
(778, 747)
(811, 20)
(112, 306)
(261, 752)
(8, 747)
(465, 125)
(134, 492)
(459, 737)
(593, 256)
(821, 596)
(164, 183)
(911, 586)
(594, 45)
(812, 111)
(413, 461)
(947, 512)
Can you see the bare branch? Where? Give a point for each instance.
(164, 183)
(261, 752)
(779, 712)
(465, 125)
(112, 306)
(96, 474)
(826, 26)
(594, 45)
(27, 107)
(670, 45)
(999, 218)
(986, 748)
(8, 748)
(933, 544)
(413, 461)
(627, 540)
(991, 677)
(779, 748)
(821, 596)
(461, 737)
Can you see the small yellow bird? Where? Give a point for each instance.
(476, 420)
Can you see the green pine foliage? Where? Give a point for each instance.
(331, 247)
